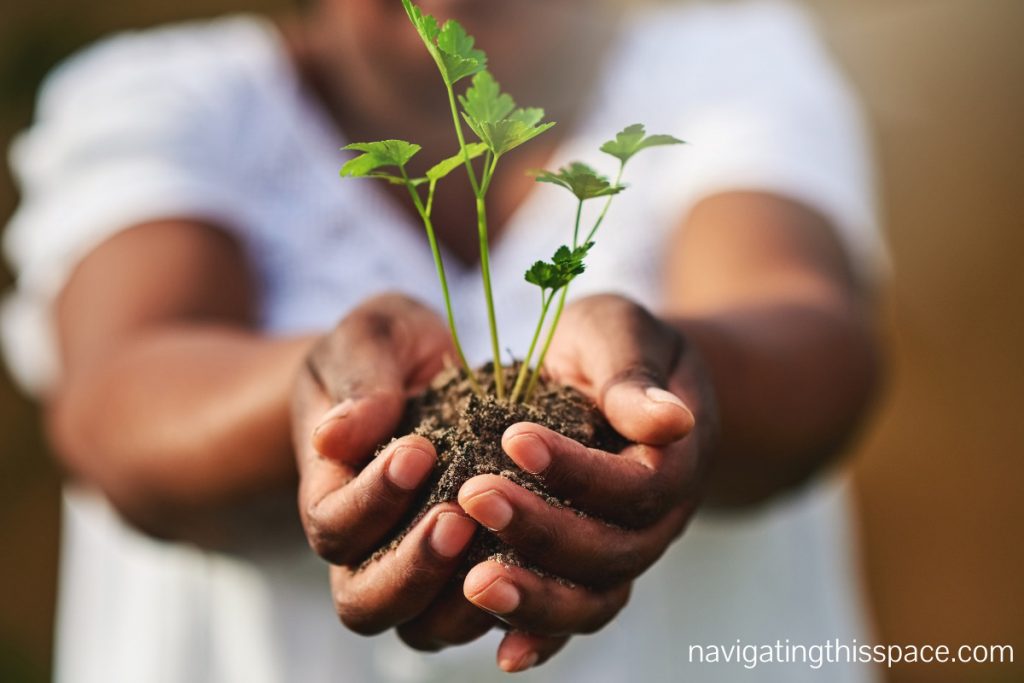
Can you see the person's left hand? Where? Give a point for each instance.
(650, 384)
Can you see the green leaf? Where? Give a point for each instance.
(564, 267)
(484, 102)
(542, 274)
(443, 168)
(633, 139)
(582, 180)
(451, 47)
(458, 55)
(493, 116)
(378, 155)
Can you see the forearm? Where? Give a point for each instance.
(791, 381)
(179, 425)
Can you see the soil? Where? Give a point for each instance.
(466, 431)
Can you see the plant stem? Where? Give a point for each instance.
(481, 222)
(525, 367)
(604, 211)
(462, 139)
(485, 272)
(439, 264)
(576, 227)
(565, 290)
(547, 344)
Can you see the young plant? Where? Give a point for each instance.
(395, 154)
(493, 117)
(584, 183)
(500, 126)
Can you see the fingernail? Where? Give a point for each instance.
(501, 597)
(451, 534)
(491, 509)
(525, 662)
(338, 412)
(667, 397)
(409, 466)
(661, 396)
(532, 453)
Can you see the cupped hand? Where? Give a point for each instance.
(349, 399)
(652, 388)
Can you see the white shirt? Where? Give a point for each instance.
(208, 120)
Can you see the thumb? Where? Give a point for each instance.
(624, 355)
(640, 409)
(367, 366)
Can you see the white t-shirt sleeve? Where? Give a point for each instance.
(128, 131)
(771, 112)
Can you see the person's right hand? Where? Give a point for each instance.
(349, 399)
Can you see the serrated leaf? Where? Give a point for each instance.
(377, 155)
(446, 166)
(565, 266)
(458, 55)
(582, 180)
(541, 274)
(451, 47)
(492, 116)
(484, 102)
(633, 139)
(425, 24)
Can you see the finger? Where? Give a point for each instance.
(541, 605)
(560, 540)
(345, 524)
(450, 620)
(621, 356)
(402, 583)
(631, 489)
(379, 352)
(520, 651)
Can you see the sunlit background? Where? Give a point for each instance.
(940, 473)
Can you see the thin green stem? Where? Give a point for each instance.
(439, 264)
(485, 261)
(485, 272)
(490, 165)
(547, 344)
(524, 369)
(604, 211)
(576, 226)
(462, 139)
(430, 198)
(565, 290)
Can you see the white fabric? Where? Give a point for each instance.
(208, 120)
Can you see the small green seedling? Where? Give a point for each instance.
(500, 127)
(584, 183)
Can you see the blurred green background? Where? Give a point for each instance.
(941, 471)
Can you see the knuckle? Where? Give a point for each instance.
(536, 539)
(624, 566)
(323, 539)
(417, 639)
(647, 508)
(610, 605)
(370, 501)
(355, 616)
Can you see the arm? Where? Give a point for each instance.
(762, 288)
(168, 402)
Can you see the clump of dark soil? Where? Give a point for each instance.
(466, 431)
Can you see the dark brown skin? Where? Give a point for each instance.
(182, 413)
